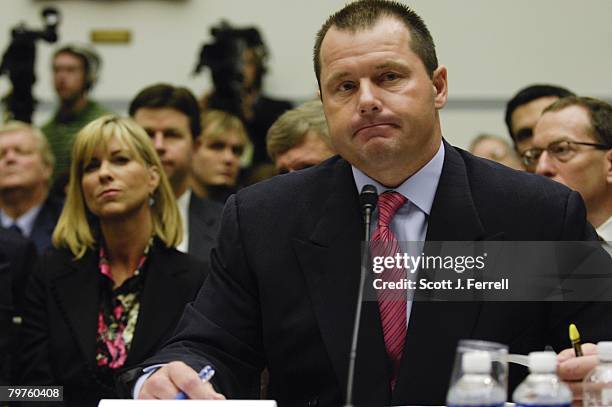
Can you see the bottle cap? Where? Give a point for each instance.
(542, 362)
(476, 362)
(604, 351)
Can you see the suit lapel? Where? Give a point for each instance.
(77, 293)
(435, 327)
(331, 266)
(44, 224)
(160, 303)
(201, 226)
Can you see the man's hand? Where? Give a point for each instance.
(572, 369)
(174, 377)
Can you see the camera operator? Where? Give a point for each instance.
(75, 72)
(257, 110)
(18, 64)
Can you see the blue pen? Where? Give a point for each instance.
(205, 375)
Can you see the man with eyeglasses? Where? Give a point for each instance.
(573, 145)
(524, 110)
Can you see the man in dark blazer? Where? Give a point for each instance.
(171, 117)
(26, 165)
(285, 274)
(17, 260)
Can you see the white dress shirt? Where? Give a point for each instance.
(605, 232)
(25, 222)
(183, 207)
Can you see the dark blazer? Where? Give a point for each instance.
(284, 279)
(60, 321)
(45, 222)
(204, 221)
(17, 260)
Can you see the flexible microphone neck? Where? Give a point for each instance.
(367, 199)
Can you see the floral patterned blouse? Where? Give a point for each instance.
(117, 316)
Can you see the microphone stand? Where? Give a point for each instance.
(365, 258)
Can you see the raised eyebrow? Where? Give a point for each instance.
(393, 65)
(337, 76)
(560, 139)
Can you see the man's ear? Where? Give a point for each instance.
(609, 167)
(440, 86)
(47, 172)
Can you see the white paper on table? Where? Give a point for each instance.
(186, 403)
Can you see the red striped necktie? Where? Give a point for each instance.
(391, 303)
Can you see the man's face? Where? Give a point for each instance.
(170, 132)
(524, 119)
(21, 164)
(588, 169)
(380, 104)
(496, 150)
(216, 161)
(68, 76)
(310, 152)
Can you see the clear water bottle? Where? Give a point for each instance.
(597, 385)
(542, 388)
(476, 387)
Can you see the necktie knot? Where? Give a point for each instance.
(388, 204)
(16, 229)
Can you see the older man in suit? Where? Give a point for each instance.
(285, 275)
(17, 259)
(26, 165)
(171, 117)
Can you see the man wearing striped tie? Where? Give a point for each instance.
(285, 274)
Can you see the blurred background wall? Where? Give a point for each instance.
(491, 48)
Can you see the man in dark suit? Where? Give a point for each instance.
(26, 165)
(171, 117)
(285, 274)
(17, 260)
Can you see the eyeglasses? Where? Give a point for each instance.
(563, 151)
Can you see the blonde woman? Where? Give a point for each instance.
(114, 287)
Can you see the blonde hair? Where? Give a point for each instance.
(74, 227)
(216, 123)
(290, 129)
(42, 143)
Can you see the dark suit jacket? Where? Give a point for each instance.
(45, 223)
(204, 220)
(60, 321)
(17, 259)
(284, 281)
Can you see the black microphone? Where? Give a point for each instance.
(367, 200)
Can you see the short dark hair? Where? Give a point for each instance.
(89, 58)
(164, 95)
(529, 93)
(365, 14)
(600, 113)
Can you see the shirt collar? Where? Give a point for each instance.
(420, 188)
(183, 201)
(25, 221)
(605, 230)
